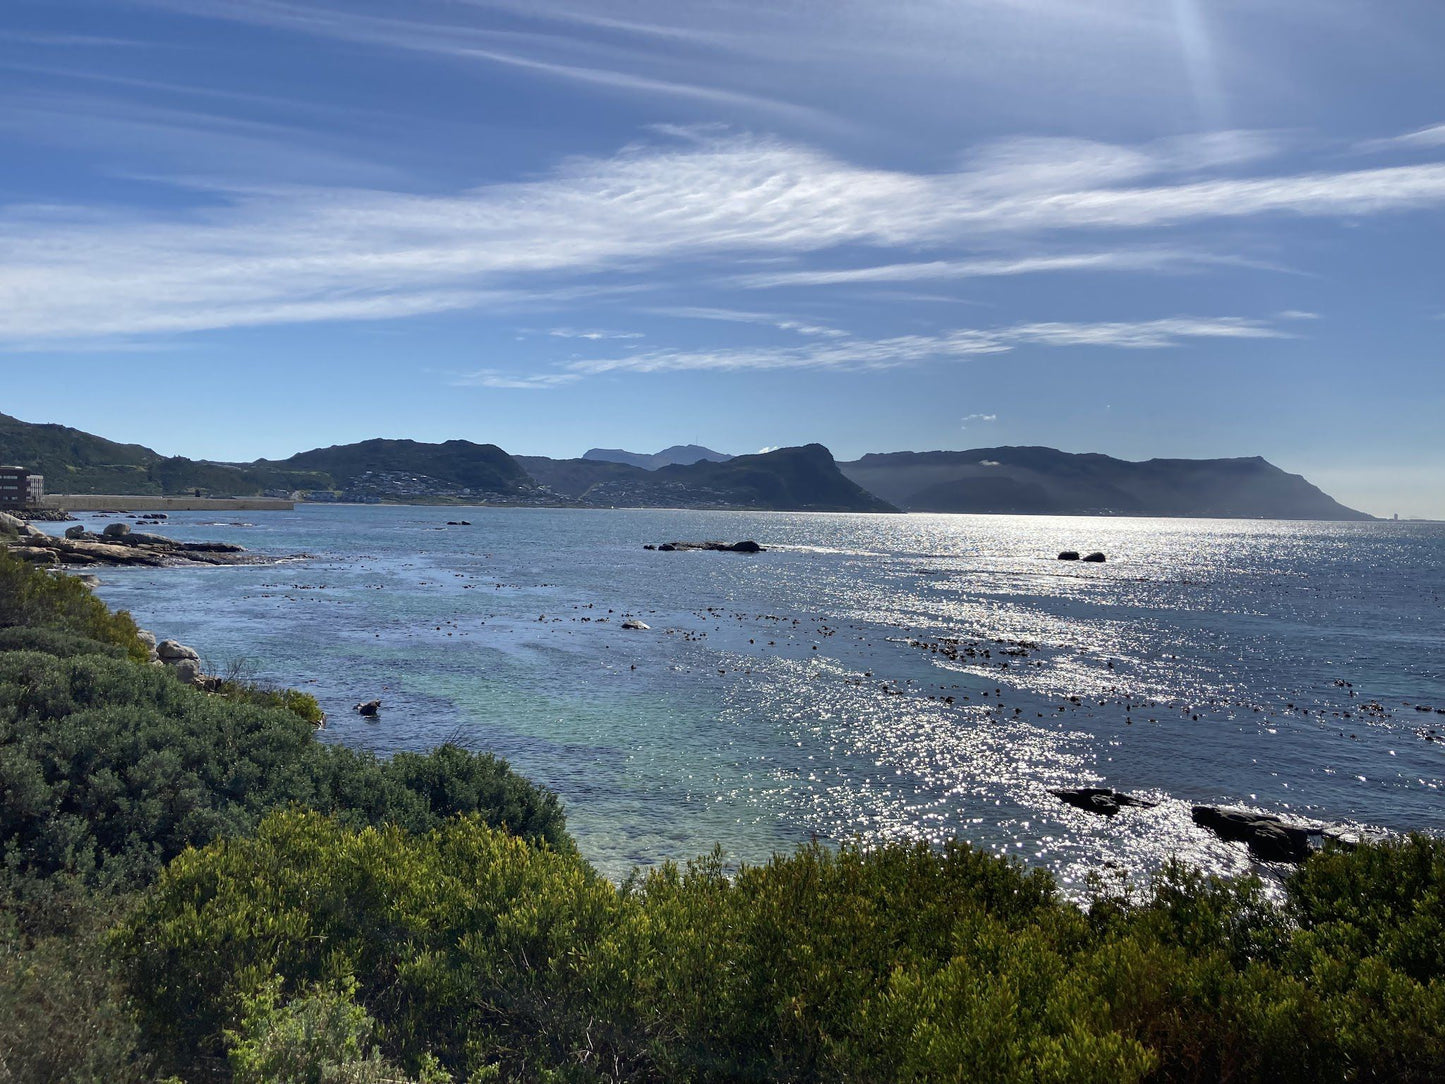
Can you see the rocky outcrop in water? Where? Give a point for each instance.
(116, 545)
(1269, 839)
(1100, 800)
(745, 546)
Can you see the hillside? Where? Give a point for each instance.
(73, 461)
(406, 468)
(1046, 481)
(789, 479)
(682, 454)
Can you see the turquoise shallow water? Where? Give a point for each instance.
(826, 687)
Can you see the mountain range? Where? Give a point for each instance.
(1003, 480)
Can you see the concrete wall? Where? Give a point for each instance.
(105, 502)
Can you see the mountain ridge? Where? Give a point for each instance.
(1008, 479)
(1036, 480)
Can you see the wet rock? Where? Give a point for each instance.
(1069, 555)
(1098, 799)
(666, 547)
(1269, 839)
(1096, 557)
(746, 546)
(633, 623)
(369, 710)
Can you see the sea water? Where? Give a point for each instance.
(868, 677)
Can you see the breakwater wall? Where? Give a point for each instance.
(113, 502)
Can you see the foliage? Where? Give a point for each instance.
(900, 963)
(61, 1018)
(61, 603)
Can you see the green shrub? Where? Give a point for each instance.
(42, 600)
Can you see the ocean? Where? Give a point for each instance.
(867, 677)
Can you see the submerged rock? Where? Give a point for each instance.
(369, 710)
(1069, 555)
(1096, 557)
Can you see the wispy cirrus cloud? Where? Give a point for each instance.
(741, 316)
(287, 254)
(993, 267)
(592, 335)
(498, 378)
(905, 350)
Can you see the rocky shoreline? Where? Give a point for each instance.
(116, 545)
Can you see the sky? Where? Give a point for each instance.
(1181, 228)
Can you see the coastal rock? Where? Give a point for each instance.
(116, 530)
(1096, 557)
(11, 523)
(633, 623)
(35, 555)
(78, 531)
(745, 546)
(172, 651)
(1098, 799)
(145, 636)
(370, 709)
(188, 671)
(1269, 839)
(1069, 555)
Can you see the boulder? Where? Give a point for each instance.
(78, 531)
(746, 546)
(666, 547)
(187, 670)
(116, 530)
(145, 636)
(370, 710)
(170, 651)
(1096, 557)
(1269, 839)
(633, 623)
(1069, 555)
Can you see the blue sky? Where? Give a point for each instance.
(241, 228)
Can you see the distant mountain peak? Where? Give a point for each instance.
(677, 455)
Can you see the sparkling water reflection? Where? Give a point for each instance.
(879, 677)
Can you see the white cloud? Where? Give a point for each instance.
(863, 354)
(969, 418)
(291, 254)
(593, 336)
(738, 316)
(496, 378)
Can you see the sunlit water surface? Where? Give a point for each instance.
(805, 691)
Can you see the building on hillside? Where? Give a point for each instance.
(19, 488)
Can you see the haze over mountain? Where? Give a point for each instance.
(683, 454)
(1044, 480)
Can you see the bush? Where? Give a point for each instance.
(42, 600)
